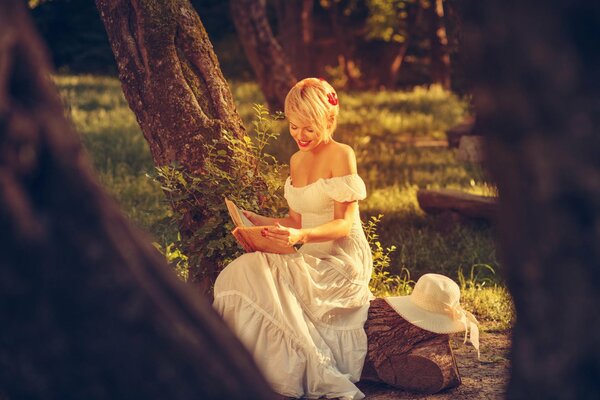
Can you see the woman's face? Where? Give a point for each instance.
(305, 135)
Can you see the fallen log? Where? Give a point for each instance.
(456, 132)
(405, 356)
(471, 149)
(466, 204)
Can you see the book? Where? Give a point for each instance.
(249, 236)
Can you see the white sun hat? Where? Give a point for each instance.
(434, 305)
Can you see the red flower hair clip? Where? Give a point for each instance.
(332, 98)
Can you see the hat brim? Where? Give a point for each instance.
(430, 321)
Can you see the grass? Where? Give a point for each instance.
(119, 152)
(383, 127)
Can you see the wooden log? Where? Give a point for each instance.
(406, 356)
(467, 204)
(471, 149)
(456, 132)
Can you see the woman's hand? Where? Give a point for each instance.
(286, 236)
(257, 219)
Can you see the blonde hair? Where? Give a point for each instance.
(310, 101)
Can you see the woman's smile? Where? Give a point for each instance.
(303, 143)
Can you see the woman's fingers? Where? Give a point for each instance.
(280, 234)
(281, 238)
(279, 231)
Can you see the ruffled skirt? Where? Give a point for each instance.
(301, 317)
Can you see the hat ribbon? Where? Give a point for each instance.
(469, 321)
(456, 313)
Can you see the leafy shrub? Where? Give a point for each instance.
(235, 168)
(175, 258)
(382, 282)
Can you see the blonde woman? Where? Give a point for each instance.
(301, 315)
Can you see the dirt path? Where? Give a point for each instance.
(484, 379)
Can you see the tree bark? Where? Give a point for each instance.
(307, 37)
(440, 57)
(170, 76)
(397, 63)
(536, 94)
(173, 83)
(345, 41)
(406, 356)
(454, 33)
(295, 23)
(88, 308)
(414, 12)
(264, 53)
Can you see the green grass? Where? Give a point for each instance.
(119, 152)
(381, 126)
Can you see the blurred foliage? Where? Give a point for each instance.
(175, 258)
(74, 34)
(388, 19)
(76, 38)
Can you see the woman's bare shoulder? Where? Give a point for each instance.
(295, 158)
(295, 161)
(343, 159)
(340, 152)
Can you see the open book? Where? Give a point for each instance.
(249, 235)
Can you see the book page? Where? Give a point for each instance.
(238, 217)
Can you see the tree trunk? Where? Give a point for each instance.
(270, 66)
(440, 57)
(307, 38)
(345, 45)
(454, 32)
(294, 20)
(397, 63)
(173, 83)
(88, 308)
(536, 93)
(414, 13)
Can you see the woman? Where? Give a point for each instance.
(301, 315)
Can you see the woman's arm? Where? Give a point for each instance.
(337, 228)
(343, 218)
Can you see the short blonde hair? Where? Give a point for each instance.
(313, 101)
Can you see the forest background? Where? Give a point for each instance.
(397, 67)
(78, 275)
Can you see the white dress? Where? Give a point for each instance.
(302, 315)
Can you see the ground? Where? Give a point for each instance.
(481, 379)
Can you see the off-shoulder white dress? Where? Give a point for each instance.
(302, 315)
